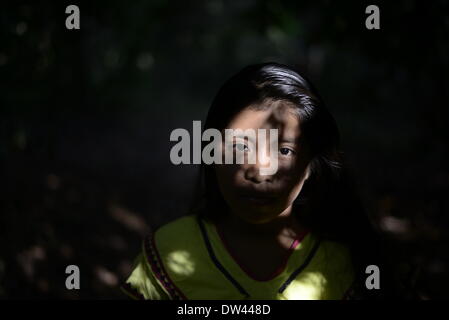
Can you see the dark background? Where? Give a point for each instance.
(85, 119)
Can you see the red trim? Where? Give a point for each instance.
(276, 272)
(158, 269)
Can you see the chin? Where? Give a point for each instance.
(258, 216)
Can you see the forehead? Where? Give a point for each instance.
(269, 115)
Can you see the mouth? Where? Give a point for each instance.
(258, 198)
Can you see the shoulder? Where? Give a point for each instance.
(166, 257)
(178, 246)
(332, 259)
(182, 225)
(182, 233)
(336, 251)
(335, 258)
(177, 256)
(337, 266)
(141, 284)
(170, 255)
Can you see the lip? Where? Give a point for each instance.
(258, 199)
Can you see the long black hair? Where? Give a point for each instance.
(328, 204)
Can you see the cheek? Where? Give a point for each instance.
(228, 177)
(295, 191)
(290, 180)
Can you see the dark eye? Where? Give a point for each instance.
(286, 151)
(240, 147)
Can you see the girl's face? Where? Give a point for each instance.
(258, 198)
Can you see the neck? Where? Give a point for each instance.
(284, 224)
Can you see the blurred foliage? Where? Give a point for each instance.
(85, 118)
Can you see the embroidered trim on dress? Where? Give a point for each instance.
(158, 269)
(132, 292)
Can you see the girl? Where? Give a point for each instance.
(299, 233)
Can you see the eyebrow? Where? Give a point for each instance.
(245, 136)
(290, 140)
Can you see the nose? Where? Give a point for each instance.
(252, 173)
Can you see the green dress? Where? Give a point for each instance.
(187, 259)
